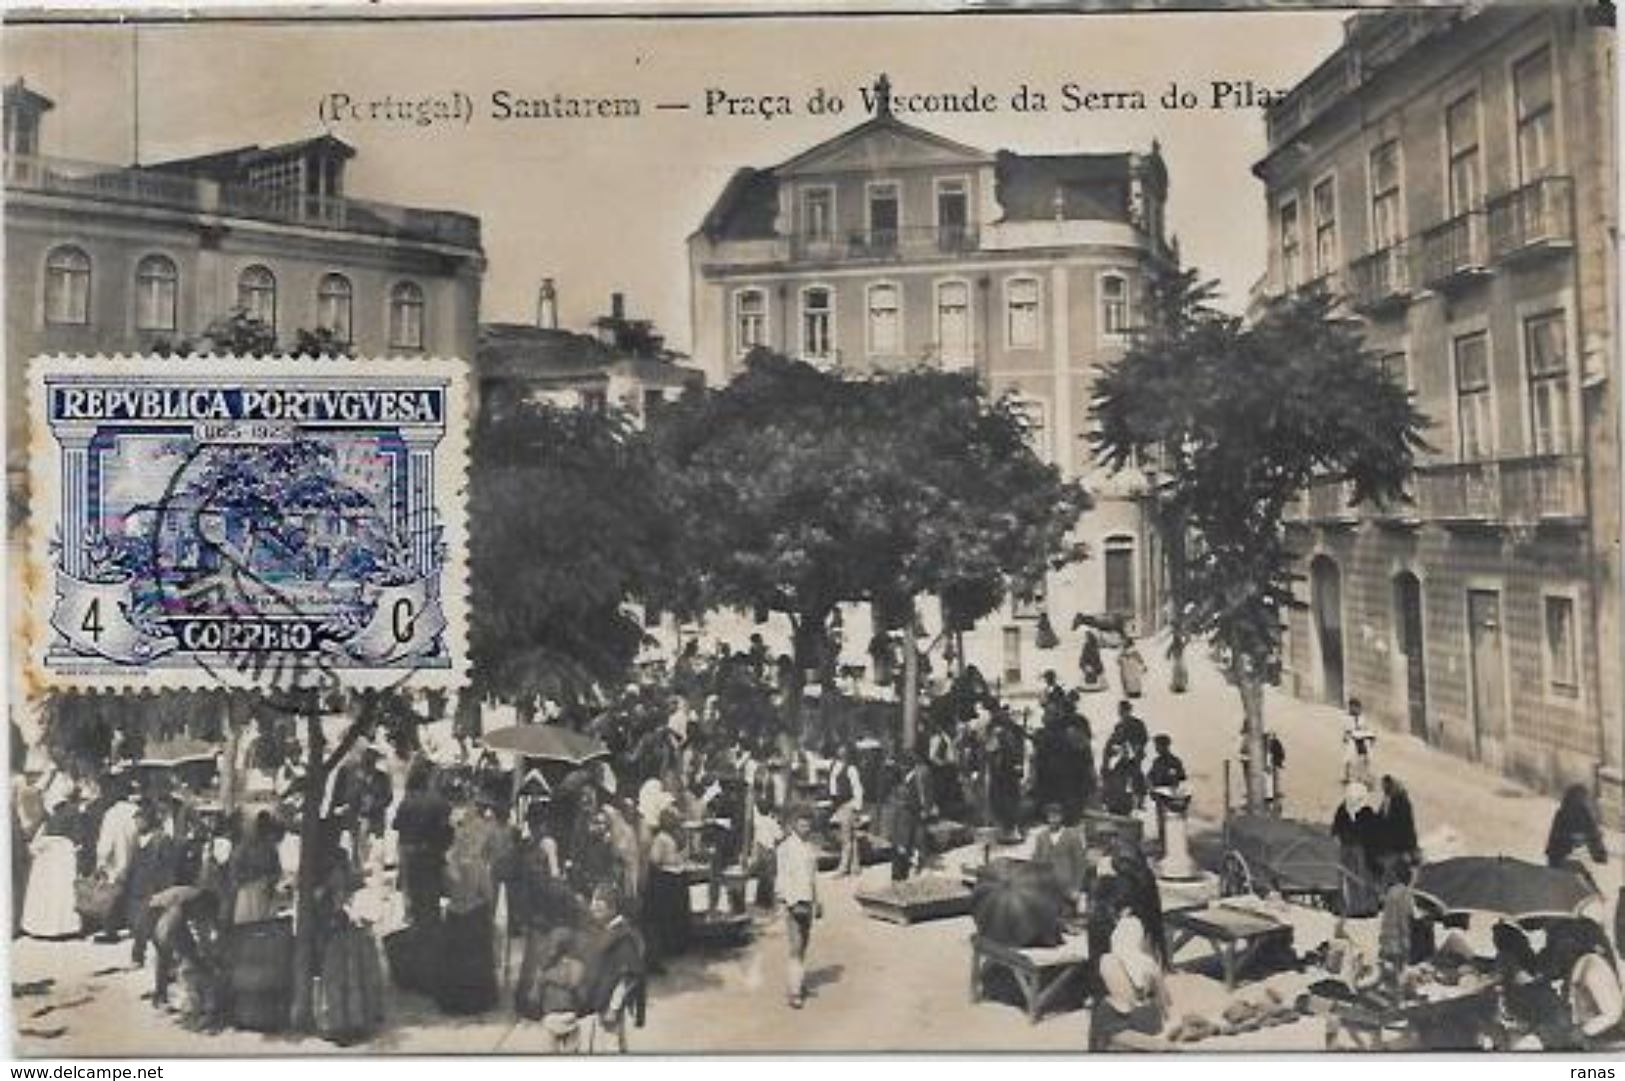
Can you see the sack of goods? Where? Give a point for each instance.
(95, 898)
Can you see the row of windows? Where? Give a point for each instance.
(883, 208)
(157, 295)
(1534, 127)
(1547, 383)
(1547, 389)
(954, 326)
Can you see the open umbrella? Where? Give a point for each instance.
(549, 742)
(1501, 884)
(1018, 905)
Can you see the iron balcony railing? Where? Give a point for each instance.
(1513, 491)
(910, 242)
(1454, 249)
(1380, 278)
(1522, 491)
(1536, 216)
(149, 187)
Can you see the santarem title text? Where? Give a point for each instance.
(720, 102)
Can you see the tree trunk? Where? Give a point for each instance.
(305, 931)
(810, 647)
(911, 680)
(1251, 687)
(228, 765)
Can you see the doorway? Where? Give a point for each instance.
(1408, 609)
(1489, 674)
(1326, 584)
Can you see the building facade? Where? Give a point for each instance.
(889, 246)
(1450, 174)
(623, 365)
(108, 259)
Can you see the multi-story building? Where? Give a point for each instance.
(107, 259)
(890, 246)
(1450, 173)
(623, 365)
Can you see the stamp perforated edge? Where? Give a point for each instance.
(32, 612)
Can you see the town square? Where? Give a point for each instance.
(862, 565)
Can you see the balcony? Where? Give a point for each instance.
(151, 188)
(1326, 501)
(1529, 491)
(1455, 253)
(890, 244)
(1381, 281)
(1535, 220)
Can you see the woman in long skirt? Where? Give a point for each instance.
(48, 908)
(467, 977)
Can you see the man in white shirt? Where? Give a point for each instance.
(796, 883)
(115, 847)
(846, 793)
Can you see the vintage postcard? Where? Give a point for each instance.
(733, 529)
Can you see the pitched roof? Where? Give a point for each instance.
(230, 165)
(542, 355)
(1092, 186)
(889, 123)
(746, 208)
(18, 93)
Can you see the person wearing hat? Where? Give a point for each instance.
(1355, 826)
(1059, 847)
(1358, 739)
(1166, 777)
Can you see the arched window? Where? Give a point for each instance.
(817, 323)
(885, 320)
(750, 320)
(1113, 304)
(67, 286)
(406, 316)
(256, 294)
(334, 299)
(953, 322)
(1021, 313)
(156, 287)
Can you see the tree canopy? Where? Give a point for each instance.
(1239, 420)
(799, 491)
(572, 524)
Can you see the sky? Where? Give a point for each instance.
(606, 205)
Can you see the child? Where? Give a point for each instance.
(797, 885)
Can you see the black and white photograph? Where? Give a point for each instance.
(717, 530)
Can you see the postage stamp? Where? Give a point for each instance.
(269, 524)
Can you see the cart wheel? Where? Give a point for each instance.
(1234, 877)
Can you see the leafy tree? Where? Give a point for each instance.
(1243, 418)
(799, 491)
(571, 526)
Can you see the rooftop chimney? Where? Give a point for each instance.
(617, 307)
(547, 306)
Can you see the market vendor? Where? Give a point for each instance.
(1060, 848)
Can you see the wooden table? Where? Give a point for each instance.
(1236, 934)
(1041, 972)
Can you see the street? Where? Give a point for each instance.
(873, 986)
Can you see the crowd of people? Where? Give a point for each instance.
(721, 771)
